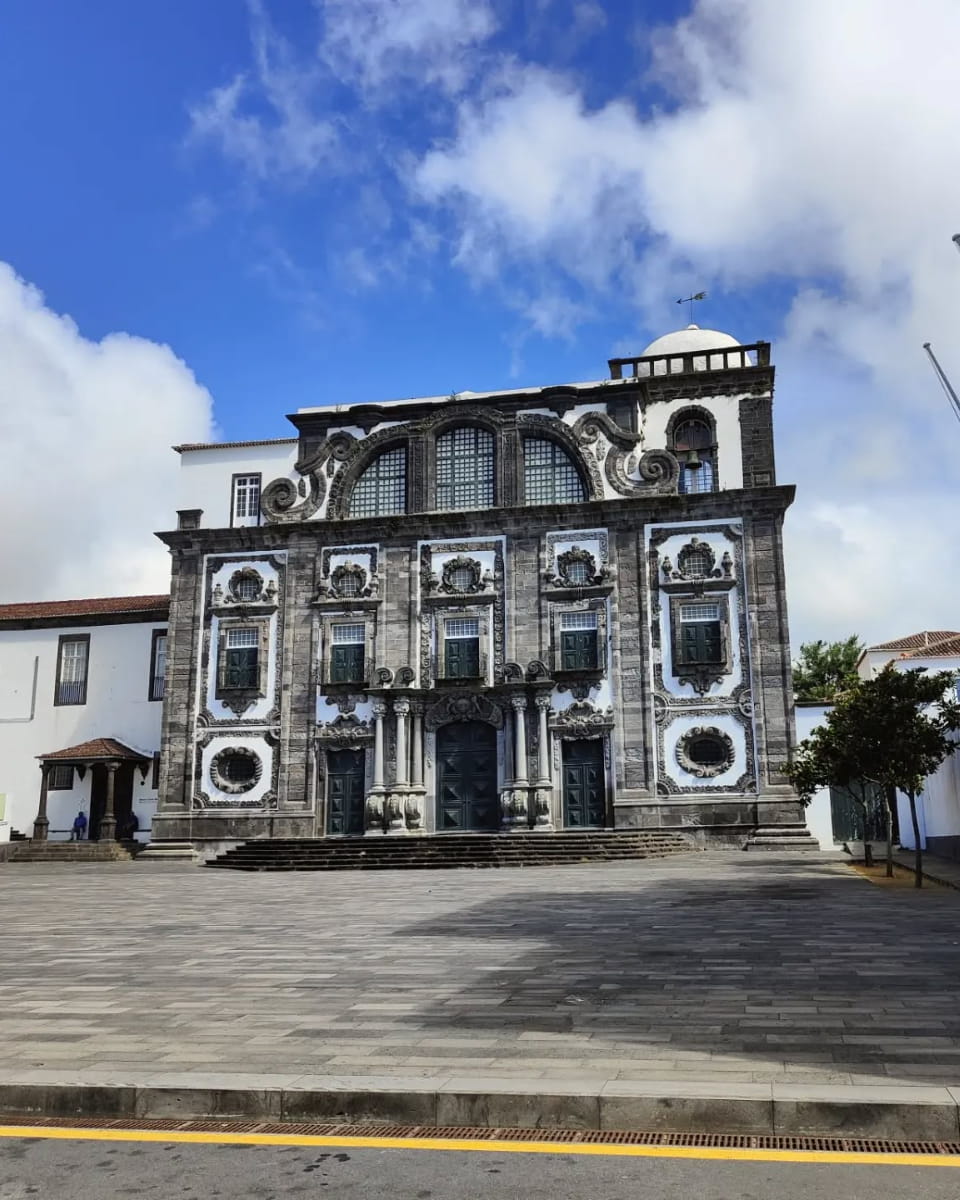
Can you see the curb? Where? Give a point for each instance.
(898, 1113)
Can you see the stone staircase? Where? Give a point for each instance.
(449, 850)
(792, 835)
(69, 852)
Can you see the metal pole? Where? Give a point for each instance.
(944, 381)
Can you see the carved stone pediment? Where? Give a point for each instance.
(345, 732)
(463, 706)
(582, 720)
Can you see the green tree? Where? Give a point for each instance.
(824, 669)
(893, 730)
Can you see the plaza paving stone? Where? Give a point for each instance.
(715, 967)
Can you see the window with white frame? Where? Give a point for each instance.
(464, 469)
(701, 633)
(347, 652)
(72, 660)
(461, 648)
(245, 508)
(240, 658)
(578, 641)
(158, 664)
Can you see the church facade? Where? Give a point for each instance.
(544, 609)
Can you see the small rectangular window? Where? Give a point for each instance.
(701, 634)
(61, 778)
(158, 664)
(155, 773)
(346, 653)
(241, 659)
(699, 612)
(578, 620)
(461, 649)
(245, 502)
(578, 642)
(72, 663)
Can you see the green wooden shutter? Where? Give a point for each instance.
(701, 642)
(461, 658)
(578, 650)
(241, 667)
(346, 663)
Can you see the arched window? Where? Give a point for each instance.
(464, 469)
(381, 491)
(549, 476)
(694, 446)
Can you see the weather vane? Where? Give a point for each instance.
(690, 299)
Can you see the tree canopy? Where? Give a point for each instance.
(893, 730)
(824, 669)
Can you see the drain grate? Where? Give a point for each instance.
(596, 1137)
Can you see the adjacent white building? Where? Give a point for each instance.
(81, 694)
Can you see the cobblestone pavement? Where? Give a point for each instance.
(702, 967)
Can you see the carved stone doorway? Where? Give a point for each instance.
(467, 798)
(584, 785)
(345, 792)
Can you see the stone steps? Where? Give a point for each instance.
(789, 836)
(447, 851)
(68, 852)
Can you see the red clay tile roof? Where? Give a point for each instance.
(947, 647)
(234, 445)
(916, 641)
(97, 748)
(104, 605)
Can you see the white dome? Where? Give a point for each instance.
(694, 340)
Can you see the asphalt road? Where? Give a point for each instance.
(100, 1170)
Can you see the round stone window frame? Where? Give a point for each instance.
(343, 572)
(706, 770)
(231, 787)
(245, 575)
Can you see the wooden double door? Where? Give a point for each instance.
(467, 800)
(346, 792)
(584, 785)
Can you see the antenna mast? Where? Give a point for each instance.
(944, 381)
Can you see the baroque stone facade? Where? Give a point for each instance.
(545, 609)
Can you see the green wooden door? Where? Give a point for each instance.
(467, 778)
(345, 792)
(584, 785)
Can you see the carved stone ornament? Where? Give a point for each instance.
(722, 752)
(461, 707)
(463, 575)
(346, 732)
(537, 670)
(512, 672)
(701, 676)
(568, 574)
(349, 579)
(219, 770)
(583, 720)
(658, 470)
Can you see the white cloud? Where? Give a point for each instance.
(812, 146)
(433, 41)
(86, 470)
(269, 122)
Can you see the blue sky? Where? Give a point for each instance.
(354, 200)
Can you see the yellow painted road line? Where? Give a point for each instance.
(716, 1154)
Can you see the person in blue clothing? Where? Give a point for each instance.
(79, 831)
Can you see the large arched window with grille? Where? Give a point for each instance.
(465, 469)
(549, 474)
(381, 490)
(694, 445)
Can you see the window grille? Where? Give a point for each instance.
(697, 564)
(577, 572)
(237, 638)
(348, 633)
(579, 620)
(699, 612)
(549, 475)
(348, 583)
(459, 628)
(61, 778)
(462, 578)
(464, 469)
(248, 587)
(696, 480)
(381, 491)
(246, 497)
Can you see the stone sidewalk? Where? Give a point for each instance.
(709, 974)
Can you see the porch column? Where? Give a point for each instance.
(401, 708)
(108, 825)
(41, 824)
(416, 774)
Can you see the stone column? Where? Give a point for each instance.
(374, 814)
(414, 803)
(396, 799)
(514, 816)
(41, 824)
(544, 786)
(108, 825)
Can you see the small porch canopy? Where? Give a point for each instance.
(106, 752)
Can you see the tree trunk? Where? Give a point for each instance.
(867, 847)
(888, 817)
(918, 858)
